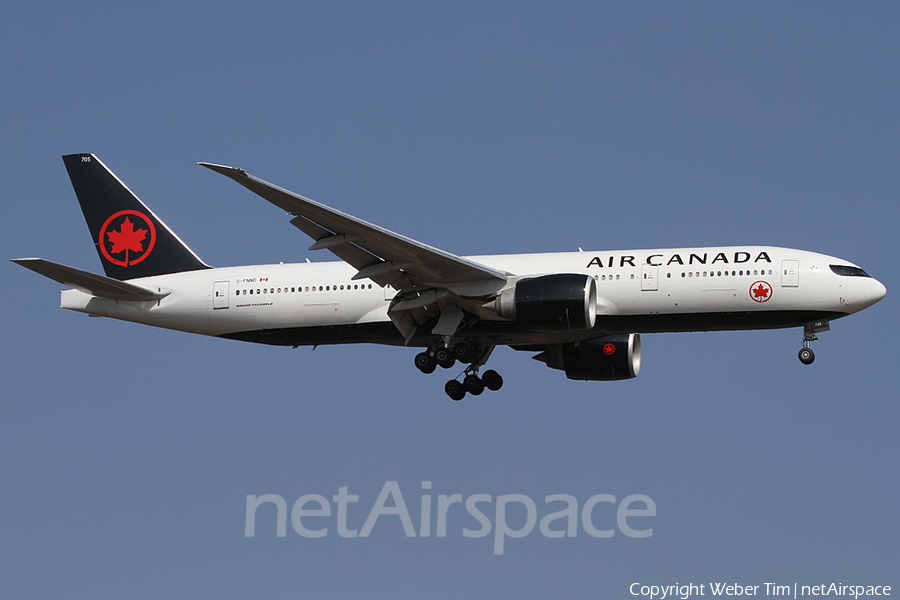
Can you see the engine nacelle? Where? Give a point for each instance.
(606, 358)
(562, 302)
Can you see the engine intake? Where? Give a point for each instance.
(561, 302)
(606, 358)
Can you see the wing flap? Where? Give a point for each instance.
(349, 253)
(90, 283)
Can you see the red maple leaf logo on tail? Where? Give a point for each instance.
(127, 238)
(135, 242)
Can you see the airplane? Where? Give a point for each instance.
(579, 312)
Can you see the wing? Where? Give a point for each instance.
(383, 256)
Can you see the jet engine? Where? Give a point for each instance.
(605, 358)
(561, 302)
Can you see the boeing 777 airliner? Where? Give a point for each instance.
(580, 312)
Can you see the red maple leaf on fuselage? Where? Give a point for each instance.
(127, 238)
(761, 291)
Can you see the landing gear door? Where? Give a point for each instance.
(790, 273)
(220, 294)
(649, 274)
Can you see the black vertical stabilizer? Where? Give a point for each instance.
(131, 240)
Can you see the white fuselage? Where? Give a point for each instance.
(686, 289)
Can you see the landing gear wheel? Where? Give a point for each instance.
(464, 352)
(492, 380)
(425, 362)
(472, 384)
(444, 357)
(806, 356)
(455, 390)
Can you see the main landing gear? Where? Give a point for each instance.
(447, 356)
(806, 355)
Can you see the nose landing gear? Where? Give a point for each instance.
(806, 355)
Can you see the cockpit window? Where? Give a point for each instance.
(848, 271)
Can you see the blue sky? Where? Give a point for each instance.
(126, 453)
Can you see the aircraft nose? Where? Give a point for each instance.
(872, 293)
(859, 293)
(879, 292)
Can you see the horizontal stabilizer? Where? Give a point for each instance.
(90, 283)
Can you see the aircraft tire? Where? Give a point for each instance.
(425, 362)
(464, 352)
(445, 358)
(806, 356)
(492, 380)
(472, 383)
(455, 390)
